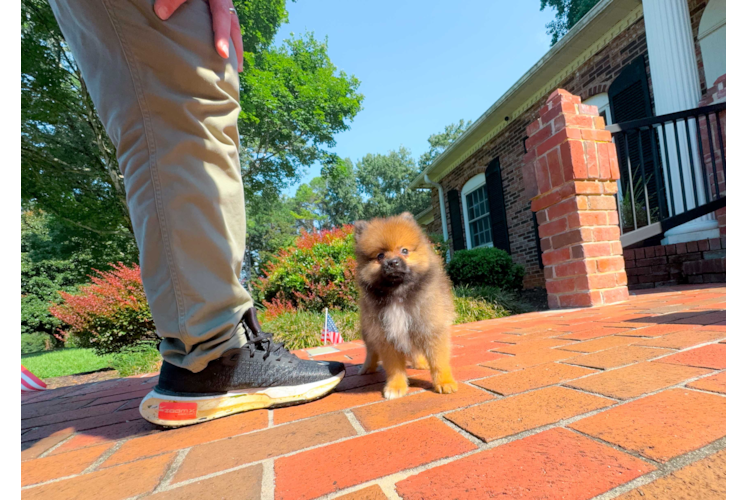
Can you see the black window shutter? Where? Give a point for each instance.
(495, 190)
(629, 100)
(628, 94)
(458, 240)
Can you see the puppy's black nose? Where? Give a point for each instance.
(396, 263)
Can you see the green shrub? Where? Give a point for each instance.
(485, 267)
(495, 295)
(471, 309)
(109, 314)
(302, 329)
(315, 273)
(35, 342)
(40, 283)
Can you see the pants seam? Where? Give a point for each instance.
(152, 161)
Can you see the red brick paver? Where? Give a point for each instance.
(661, 426)
(635, 380)
(560, 404)
(229, 453)
(188, 436)
(330, 468)
(238, 485)
(709, 356)
(534, 377)
(617, 356)
(120, 482)
(527, 411)
(373, 492)
(553, 464)
(714, 383)
(704, 479)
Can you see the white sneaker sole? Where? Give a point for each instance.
(177, 411)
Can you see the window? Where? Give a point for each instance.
(476, 212)
(603, 106)
(712, 38)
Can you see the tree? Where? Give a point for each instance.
(306, 205)
(342, 203)
(440, 141)
(294, 101)
(568, 13)
(68, 165)
(383, 182)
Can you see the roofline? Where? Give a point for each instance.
(555, 49)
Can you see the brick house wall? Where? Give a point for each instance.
(592, 78)
(665, 265)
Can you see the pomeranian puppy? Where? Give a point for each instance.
(406, 303)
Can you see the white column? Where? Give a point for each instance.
(675, 83)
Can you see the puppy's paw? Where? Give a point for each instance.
(366, 369)
(446, 386)
(395, 389)
(420, 363)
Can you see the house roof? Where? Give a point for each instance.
(595, 30)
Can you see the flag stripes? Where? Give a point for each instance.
(30, 382)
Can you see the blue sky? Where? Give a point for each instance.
(422, 64)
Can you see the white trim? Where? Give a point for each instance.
(474, 183)
(603, 105)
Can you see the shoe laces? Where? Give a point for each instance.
(263, 341)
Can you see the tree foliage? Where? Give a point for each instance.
(568, 13)
(441, 140)
(68, 165)
(383, 181)
(294, 101)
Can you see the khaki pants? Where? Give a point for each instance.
(170, 104)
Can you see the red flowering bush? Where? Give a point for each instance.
(314, 273)
(109, 314)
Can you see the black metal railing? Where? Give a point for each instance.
(673, 170)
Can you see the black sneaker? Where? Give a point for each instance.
(261, 374)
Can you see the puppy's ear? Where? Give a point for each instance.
(360, 226)
(408, 216)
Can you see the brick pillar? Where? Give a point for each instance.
(570, 173)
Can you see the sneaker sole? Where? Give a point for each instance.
(178, 411)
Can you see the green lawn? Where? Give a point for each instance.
(63, 362)
(72, 361)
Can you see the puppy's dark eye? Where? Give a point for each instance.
(380, 256)
(404, 251)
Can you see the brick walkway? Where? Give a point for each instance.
(622, 401)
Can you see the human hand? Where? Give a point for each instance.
(225, 24)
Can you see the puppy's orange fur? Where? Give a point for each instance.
(406, 303)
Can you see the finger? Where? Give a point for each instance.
(219, 9)
(165, 8)
(236, 37)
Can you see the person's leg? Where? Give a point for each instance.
(169, 103)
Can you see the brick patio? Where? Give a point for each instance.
(619, 401)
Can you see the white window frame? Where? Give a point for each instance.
(712, 39)
(474, 183)
(603, 105)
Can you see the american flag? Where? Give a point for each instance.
(330, 332)
(30, 382)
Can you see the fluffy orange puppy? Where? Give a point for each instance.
(406, 303)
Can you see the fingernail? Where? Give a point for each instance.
(224, 46)
(162, 12)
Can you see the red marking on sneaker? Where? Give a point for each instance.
(177, 411)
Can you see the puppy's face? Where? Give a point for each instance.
(391, 252)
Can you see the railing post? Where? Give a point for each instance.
(570, 172)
